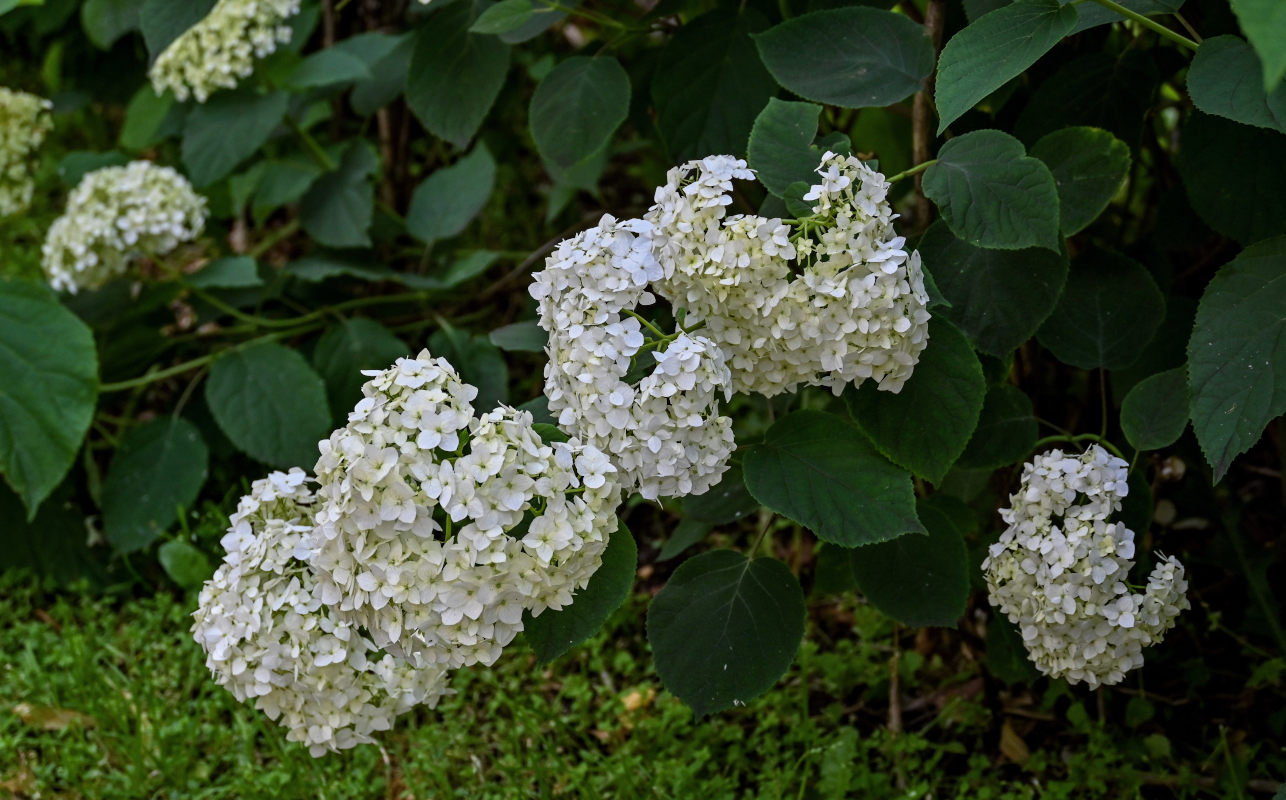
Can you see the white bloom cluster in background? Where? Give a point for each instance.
(436, 529)
(829, 300)
(24, 122)
(665, 433)
(222, 48)
(117, 215)
(1059, 571)
(269, 638)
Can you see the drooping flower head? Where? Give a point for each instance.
(117, 215)
(437, 529)
(269, 638)
(24, 122)
(663, 432)
(222, 48)
(1060, 568)
(828, 300)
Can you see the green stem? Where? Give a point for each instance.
(918, 168)
(318, 152)
(274, 238)
(655, 330)
(1151, 25)
(1084, 437)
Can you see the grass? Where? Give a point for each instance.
(100, 699)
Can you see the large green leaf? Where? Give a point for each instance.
(1089, 166)
(993, 194)
(919, 580)
(710, 85)
(503, 17)
(856, 57)
(48, 386)
(1109, 311)
(1234, 176)
(333, 66)
(455, 75)
(526, 336)
(1155, 412)
(727, 501)
(686, 534)
(105, 21)
(270, 404)
(149, 118)
(944, 396)
(1224, 80)
(338, 207)
(1236, 353)
(555, 632)
(577, 107)
(818, 470)
(389, 75)
(1102, 90)
(998, 297)
(725, 628)
(781, 149)
(227, 129)
(232, 272)
(350, 347)
(282, 182)
(1263, 22)
(158, 468)
(450, 198)
(1006, 431)
(186, 565)
(981, 58)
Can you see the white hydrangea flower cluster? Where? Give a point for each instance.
(828, 300)
(436, 529)
(269, 637)
(1059, 571)
(116, 215)
(222, 48)
(665, 434)
(24, 122)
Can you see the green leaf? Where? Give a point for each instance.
(455, 75)
(819, 471)
(1224, 80)
(149, 118)
(1006, 654)
(330, 67)
(338, 208)
(1236, 352)
(227, 129)
(919, 580)
(1000, 45)
(105, 21)
(450, 198)
(944, 396)
(1089, 166)
(345, 350)
(282, 182)
(478, 361)
(1234, 176)
(1155, 411)
(993, 194)
(52, 543)
(1090, 15)
(577, 107)
(854, 57)
(555, 632)
(527, 337)
(710, 85)
(77, 164)
(1109, 311)
(781, 145)
(270, 404)
(1006, 432)
(503, 17)
(186, 565)
(725, 628)
(233, 272)
(159, 467)
(388, 74)
(998, 297)
(1263, 22)
(163, 21)
(687, 533)
(727, 501)
(48, 387)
